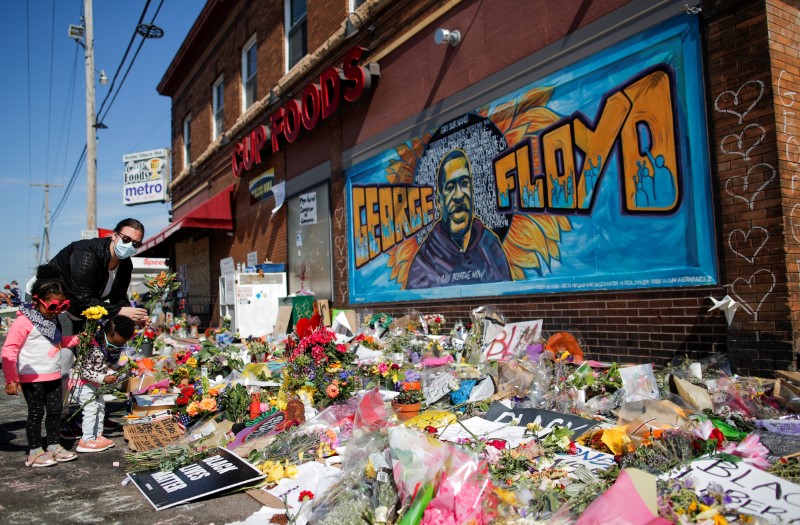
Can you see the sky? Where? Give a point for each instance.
(45, 122)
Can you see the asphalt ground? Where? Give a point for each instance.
(88, 489)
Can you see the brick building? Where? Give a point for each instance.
(351, 110)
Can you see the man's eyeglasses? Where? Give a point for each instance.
(128, 240)
(55, 307)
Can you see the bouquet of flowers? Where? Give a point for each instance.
(159, 286)
(257, 347)
(434, 322)
(318, 361)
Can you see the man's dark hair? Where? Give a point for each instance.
(122, 325)
(48, 282)
(131, 223)
(440, 174)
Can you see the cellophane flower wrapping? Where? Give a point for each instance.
(366, 491)
(460, 480)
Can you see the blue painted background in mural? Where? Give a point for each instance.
(637, 215)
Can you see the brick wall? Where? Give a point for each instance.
(749, 181)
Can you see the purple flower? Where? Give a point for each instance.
(411, 376)
(343, 375)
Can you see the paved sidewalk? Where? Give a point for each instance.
(88, 489)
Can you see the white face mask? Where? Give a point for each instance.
(123, 251)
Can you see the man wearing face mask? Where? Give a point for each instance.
(97, 273)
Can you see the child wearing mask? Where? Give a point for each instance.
(96, 369)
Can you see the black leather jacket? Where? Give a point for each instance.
(84, 267)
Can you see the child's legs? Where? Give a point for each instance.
(91, 425)
(53, 403)
(42, 397)
(35, 398)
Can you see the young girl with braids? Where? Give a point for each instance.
(32, 365)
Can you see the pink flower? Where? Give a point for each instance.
(704, 430)
(750, 450)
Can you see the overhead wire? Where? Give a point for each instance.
(81, 160)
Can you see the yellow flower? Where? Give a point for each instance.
(192, 409)
(95, 312)
(616, 439)
(692, 506)
(506, 496)
(290, 471)
(274, 472)
(719, 519)
(192, 362)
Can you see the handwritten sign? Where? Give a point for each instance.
(751, 490)
(440, 385)
(308, 208)
(483, 428)
(545, 418)
(512, 339)
(214, 474)
(148, 436)
(592, 459)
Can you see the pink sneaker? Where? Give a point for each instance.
(105, 441)
(91, 445)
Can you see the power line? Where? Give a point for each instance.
(68, 188)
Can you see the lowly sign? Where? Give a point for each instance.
(502, 414)
(148, 436)
(751, 490)
(218, 473)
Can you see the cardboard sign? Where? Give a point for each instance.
(593, 460)
(500, 413)
(283, 319)
(214, 474)
(512, 340)
(324, 309)
(268, 427)
(751, 489)
(148, 436)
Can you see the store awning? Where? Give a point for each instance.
(215, 213)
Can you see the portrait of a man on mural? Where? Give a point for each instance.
(458, 248)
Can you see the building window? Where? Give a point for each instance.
(218, 103)
(296, 32)
(249, 71)
(187, 141)
(309, 230)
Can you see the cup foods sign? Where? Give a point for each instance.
(146, 177)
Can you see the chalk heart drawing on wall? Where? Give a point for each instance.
(758, 177)
(743, 143)
(746, 287)
(747, 244)
(742, 101)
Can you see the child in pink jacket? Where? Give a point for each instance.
(32, 365)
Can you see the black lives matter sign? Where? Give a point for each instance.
(211, 475)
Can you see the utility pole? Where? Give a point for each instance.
(46, 239)
(91, 121)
